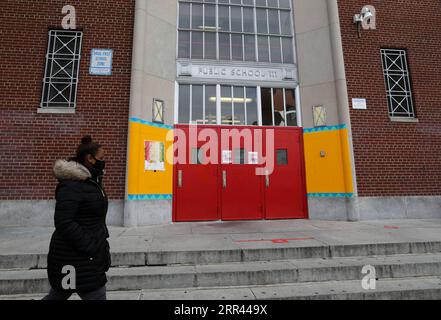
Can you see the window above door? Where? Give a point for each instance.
(236, 105)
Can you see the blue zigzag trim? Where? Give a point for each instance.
(152, 124)
(150, 196)
(322, 129)
(330, 195)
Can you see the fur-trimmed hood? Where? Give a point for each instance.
(71, 170)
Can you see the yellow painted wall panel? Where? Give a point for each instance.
(142, 182)
(346, 157)
(331, 173)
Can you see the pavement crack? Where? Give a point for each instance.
(252, 292)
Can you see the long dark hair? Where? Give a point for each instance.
(87, 146)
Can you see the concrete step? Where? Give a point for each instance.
(265, 253)
(420, 288)
(239, 274)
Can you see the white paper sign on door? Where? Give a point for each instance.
(227, 157)
(253, 158)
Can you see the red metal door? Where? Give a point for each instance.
(242, 189)
(285, 188)
(196, 181)
(207, 190)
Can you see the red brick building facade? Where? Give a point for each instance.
(389, 165)
(31, 141)
(395, 158)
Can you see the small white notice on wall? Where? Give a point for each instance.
(101, 62)
(359, 104)
(227, 157)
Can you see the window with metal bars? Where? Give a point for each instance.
(236, 30)
(398, 86)
(60, 82)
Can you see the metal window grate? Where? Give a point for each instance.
(62, 69)
(397, 80)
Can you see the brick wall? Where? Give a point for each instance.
(30, 142)
(395, 159)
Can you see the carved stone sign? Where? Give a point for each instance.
(228, 72)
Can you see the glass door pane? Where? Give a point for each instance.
(239, 106)
(251, 104)
(197, 104)
(210, 105)
(267, 109)
(184, 104)
(291, 110)
(226, 106)
(279, 107)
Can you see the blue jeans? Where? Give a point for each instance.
(99, 294)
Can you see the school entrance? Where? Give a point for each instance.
(238, 173)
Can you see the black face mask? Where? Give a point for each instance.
(99, 165)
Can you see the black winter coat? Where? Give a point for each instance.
(80, 237)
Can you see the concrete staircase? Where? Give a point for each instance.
(404, 271)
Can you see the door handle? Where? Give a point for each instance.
(180, 178)
(267, 180)
(224, 179)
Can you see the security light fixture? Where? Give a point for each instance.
(364, 17)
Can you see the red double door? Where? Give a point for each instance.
(245, 173)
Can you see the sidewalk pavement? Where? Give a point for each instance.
(236, 235)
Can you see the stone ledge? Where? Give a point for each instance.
(56, 110)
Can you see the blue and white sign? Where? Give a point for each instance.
(101, 62)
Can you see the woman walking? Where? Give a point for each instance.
(79, 254)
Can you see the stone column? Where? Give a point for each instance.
(342, 96)
(130, 217)
(153, 76)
